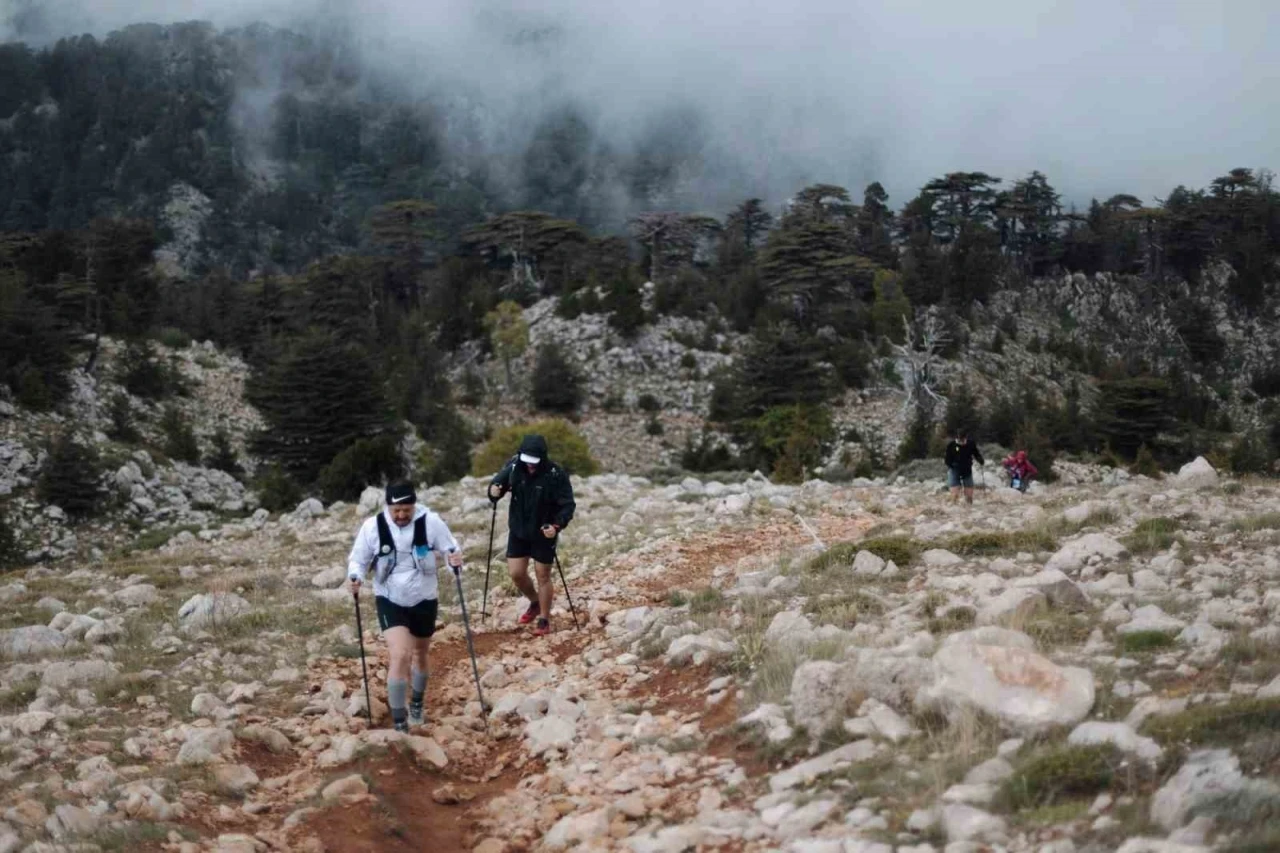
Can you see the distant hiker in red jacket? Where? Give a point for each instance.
(1020, 470)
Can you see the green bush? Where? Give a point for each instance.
(179, 439)
(653, 426)
(557, 386)
(706, 455)
(688, 361)
(367, 461)
(277, 491)
(648, 403)
(70, 477)
(1250, 454)
(1145, 464)
(1060, 773)
(173, 338)
(791, 440)
(565, 445)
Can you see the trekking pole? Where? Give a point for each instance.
(471, 649)
(572, 611)
(488, 563)
(368, 704)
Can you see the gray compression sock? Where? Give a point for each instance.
(396, 689)
(419, 685)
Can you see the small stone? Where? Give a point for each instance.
(347, 786)
(235, 779)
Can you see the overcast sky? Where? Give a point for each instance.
(1104, 96)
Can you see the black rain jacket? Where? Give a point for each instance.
(543, 497)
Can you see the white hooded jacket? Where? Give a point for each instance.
(402, 577)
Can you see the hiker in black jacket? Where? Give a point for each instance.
(541, 506)
(960, 455)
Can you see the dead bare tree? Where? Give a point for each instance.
(920, 364)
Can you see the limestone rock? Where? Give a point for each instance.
(31, 641)
(1207, 775)
(60, 674)
(1120, 735)
(550, 733)
(1073, 556)
(1009, 681)
(347, 786)
(211, 609)
(235, 779)
(1196, 474)
(806, 771)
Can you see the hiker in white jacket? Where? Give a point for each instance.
(400, 544)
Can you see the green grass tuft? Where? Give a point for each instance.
(1226, 724)
(1145, 641)
(1153, 535)
(1256, 523)
(990, 543)
(1058, 774)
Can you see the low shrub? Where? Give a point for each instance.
(566, 446)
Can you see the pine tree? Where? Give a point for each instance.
(318, 396)
(122, 428)
(70, 477)
(1131, 413)
(10, 552)
(557, 386)
(222, 456)
(179, 439)
(783, 366)
(625, 305)
(962, 411)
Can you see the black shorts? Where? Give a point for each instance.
(542, 549)
(420, 619)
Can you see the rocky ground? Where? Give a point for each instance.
(1089, 667)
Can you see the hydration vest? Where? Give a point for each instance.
(387, 545)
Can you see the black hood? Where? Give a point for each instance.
(534, 445)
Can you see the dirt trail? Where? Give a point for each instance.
(401, 813)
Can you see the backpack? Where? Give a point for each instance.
(387, 545)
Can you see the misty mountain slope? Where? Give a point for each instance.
(289, 142)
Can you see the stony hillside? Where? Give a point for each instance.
(816, 668)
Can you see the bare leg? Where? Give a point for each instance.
(546, 589)
(519, 570)
(400, 648)
(421, 645)
(955, 494)
(968, 494)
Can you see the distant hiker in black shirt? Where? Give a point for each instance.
(541, 506)
(960, 455)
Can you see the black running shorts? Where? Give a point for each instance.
(420, 619)
(542, 549)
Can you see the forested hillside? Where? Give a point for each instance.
(264, 192)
